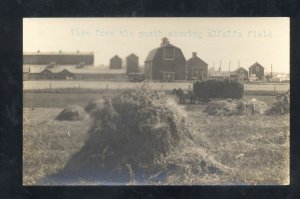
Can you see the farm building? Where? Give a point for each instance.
(242, 71)
(196, 68)
(132, 64)
(256, 70)
(115, 62)
(40, 72)
(60, 58)
(165, 63)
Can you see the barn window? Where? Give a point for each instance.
(169, 53)
(257, 68)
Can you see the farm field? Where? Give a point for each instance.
(28, 85)
(256, 148)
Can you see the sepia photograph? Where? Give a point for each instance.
(156, 101)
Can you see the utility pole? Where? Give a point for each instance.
(271, 70)
(229, 69)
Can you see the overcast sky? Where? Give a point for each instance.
(265, 40)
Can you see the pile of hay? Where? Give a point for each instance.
(251, 107)
(134, 136)
(72, 113)
(220, 108)
(281, 105)
(94, 105)
(229, 107)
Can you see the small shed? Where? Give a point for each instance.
(115, 62)
(196, 68)
(132, 64)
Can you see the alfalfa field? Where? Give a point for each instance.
(254, 148)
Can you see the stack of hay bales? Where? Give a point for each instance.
(133, 135)
(72, 113)
(281, 105)
(241, 107)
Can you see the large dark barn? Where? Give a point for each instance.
(256, 70)
(59, 58)
(115, 62)
(165, 63)
(132, 64)
(196, 68)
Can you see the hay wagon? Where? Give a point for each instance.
(221, 89)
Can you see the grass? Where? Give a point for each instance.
(48, 143)
(255, 147)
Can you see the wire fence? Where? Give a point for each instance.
(36, 85)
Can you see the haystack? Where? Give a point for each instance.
(72, 113)
(229, 107)
(134, 135)
(281, 105)
(250, 107)
(222, 107)
(94, 105)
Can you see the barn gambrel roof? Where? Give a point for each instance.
(153, 52)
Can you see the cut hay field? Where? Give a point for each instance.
(256, 148)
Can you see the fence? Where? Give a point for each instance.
(270, 89)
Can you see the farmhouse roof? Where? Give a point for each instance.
(196, 57)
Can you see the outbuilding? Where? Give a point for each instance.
(256, 70)
(132, 64)
(196, 68)
(115, 62)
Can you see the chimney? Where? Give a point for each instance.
(194, 54)
(165, 41)
(38, 51)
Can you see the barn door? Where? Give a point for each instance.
(168, 76)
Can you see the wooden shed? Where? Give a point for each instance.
(165, 63)
(196, 68)
(132, 64)
(256, 70)
(115, 62)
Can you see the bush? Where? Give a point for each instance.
(213, 88)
